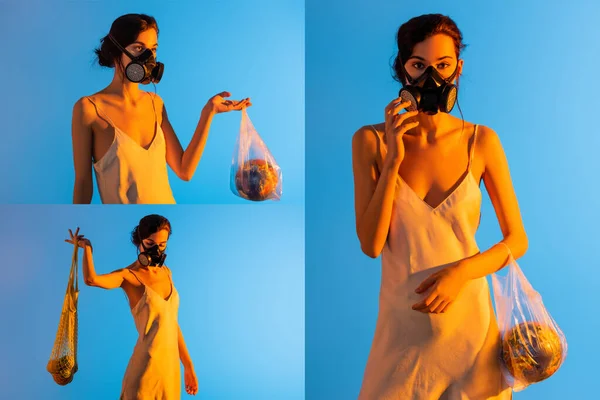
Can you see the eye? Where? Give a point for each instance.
(443, 65)
(418, 65)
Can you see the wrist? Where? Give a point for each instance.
(463, 270)
(208, 111)
(392, 163)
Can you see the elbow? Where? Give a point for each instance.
(185, 174)
(519, 244)
(524, 244)
(368, 244)
(186, 177)
(370, 248)
(90, 281)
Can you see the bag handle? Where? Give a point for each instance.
(73, 285)
(510, 254)
(515, 269)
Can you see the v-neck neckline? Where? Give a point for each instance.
(168, 297)
(446, 199)
(156, 128)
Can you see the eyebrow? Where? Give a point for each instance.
(422, 59)
(144, 44)
(164, 241)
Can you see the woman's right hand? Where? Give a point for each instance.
(396, 125)
(79, 239)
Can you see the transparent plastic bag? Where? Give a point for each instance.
(254, 175)
(533, 346)
(63, 359)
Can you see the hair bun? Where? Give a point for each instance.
(103, 53)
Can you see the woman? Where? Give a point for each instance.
(125, 132)
(153, 371)
(417, 202)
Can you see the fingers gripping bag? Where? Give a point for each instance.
(63, 360)
(255, 175)
(533, 346)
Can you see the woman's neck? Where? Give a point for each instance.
(431, 126)
(123, 88)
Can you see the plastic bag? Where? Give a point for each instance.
(63, 360)
(533, 346)
(255, 175)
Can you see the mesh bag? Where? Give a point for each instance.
(63, 360)
(533, 346)
(255, 175)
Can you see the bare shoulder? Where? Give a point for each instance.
(126, 272)
(366, 139)
(488, 140)
(157, 99)
(84, 110)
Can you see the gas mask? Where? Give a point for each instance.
(430, 92)
(143, 68)
(152, 256)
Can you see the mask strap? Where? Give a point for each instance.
(451, 77)
(408, 78)
(112, 39)
(140, 239)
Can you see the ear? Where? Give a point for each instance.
(459, 66)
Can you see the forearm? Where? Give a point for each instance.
(495, 258)
(89, 273)
(374, 224)
(184, 355)
(192, 154)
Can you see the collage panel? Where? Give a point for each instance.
(451, 253)
(153, 103)
(161, 302)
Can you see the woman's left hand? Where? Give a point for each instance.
(191, 382)
(218, 104)
(444, 286)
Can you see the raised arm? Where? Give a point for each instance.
(81, 132)
(374, 189)
(111, 280)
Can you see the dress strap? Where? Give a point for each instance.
(100, 113)
(473, 142)
(136, 277)
(153, 107)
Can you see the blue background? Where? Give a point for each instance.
(240, 275)
(249, 48)
(530, 74)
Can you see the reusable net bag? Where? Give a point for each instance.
(255, 175)
(63, 360)
(533, 346)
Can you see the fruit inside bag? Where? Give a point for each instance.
(255, 175)
(533, 346)
(63, 360)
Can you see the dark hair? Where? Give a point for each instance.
(149, 225)
(125, 30)
(419, 29)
